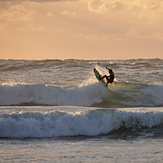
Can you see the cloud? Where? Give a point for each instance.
(14, 12)
(102, 6)
(39, 1)
(138, 18)
(98, 6)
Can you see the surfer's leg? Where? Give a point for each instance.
(103, 77)
(107, 79)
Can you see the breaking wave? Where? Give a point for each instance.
(118, 94)
(86, 123)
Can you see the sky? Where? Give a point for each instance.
(81, 29)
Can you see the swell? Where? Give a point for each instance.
(13, 65)
(16, 65)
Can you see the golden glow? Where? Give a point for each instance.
(83, 29)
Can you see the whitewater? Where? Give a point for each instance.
(49, 107)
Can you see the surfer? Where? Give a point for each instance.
(109, 78)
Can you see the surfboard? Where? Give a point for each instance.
(98, 76)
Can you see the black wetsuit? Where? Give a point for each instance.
(109, 78)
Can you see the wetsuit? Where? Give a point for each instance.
(109, 78)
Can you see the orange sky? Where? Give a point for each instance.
(81, 29)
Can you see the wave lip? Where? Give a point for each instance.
(87, 123)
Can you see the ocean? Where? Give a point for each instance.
(57, 111)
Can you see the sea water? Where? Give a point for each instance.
(57, 111)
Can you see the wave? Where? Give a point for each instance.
(118, 95)
(41, 94)
(25, 65)
(93, 122)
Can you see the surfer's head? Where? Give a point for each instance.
(110, 70)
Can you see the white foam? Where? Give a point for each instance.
(51, 95)
(62, 123)
(85, 95)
